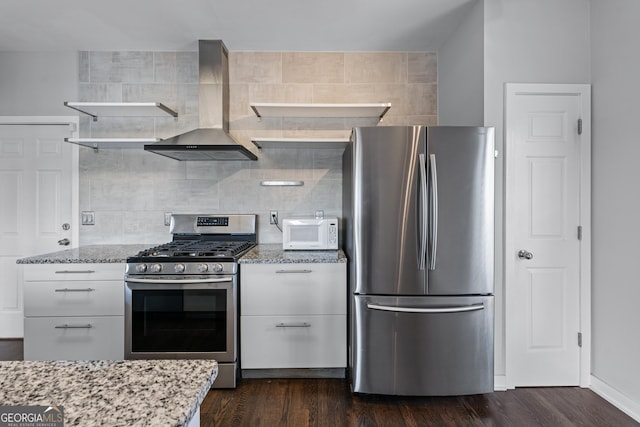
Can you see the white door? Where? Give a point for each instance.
(545, 134)
(36, 201)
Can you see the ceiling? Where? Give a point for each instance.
(244, 25)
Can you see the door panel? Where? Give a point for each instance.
(464, 255)
(543, 208)
(546, 286)
(384, 189)
(423, 354)
(36, 168)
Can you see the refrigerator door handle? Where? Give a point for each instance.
(455, 309)
(433, 217)
(423, 212)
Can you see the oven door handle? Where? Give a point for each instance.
(179, 281)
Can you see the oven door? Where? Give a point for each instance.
(180, 318)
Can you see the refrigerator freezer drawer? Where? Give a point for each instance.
(422, 346)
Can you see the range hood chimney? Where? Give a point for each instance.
(211, 141)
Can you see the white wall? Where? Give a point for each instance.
(461, 73)
(542, 41)
(37, 83)
(616, 201)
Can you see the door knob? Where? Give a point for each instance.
(525, 254)
(64, 242)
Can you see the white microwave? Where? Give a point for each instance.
(310, 234)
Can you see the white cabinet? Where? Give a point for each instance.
(293, 316)
(73, 311)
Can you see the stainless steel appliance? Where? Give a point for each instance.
(181, 297)
(419, 233)
(211, 140)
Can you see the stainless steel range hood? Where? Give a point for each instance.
(211, 141)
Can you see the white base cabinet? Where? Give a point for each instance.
(293, 316)
(73, 311)
(281, 342)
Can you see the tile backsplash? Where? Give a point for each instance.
(130, 190)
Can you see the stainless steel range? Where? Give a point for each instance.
(181, 297)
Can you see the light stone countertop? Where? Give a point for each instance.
(261, 254)
(274, 254)
(87, 254)
(111, 393)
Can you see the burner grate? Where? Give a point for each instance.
(197, 248)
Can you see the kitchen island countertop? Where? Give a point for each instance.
(87, 255)
(111, 393)
(274, 254)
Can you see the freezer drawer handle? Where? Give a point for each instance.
(65, 326)
(293, 325)
(458, 309)
(75, 290)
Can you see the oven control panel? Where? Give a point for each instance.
(212, 221)
(181, 268)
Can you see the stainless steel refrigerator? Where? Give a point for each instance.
(419, 234)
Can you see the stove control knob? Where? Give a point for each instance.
(155, 268)
(141, 268)
(203, 268)
(179, 268)
(218, 268)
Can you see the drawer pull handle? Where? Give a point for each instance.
(75, 271)
(65, 326)
(75, 290)
(293, 325)
(293, 271)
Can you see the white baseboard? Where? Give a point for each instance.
(616, 398)
(500, 383)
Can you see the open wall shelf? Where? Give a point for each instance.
(122, 109)
(320, 110)
(300, 142)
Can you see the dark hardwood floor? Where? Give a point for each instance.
(329, 402)
(11, 349)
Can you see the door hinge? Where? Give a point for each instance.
(579, 232)
(579, 126)
(579, 339)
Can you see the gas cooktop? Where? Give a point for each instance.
(198, 239)
(194, 250)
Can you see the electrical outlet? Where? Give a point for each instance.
(88, 218)
(273, 217)
(167, 219)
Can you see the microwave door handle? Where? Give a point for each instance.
(422, 220)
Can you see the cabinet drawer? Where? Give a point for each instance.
(293, 289)
(95, 271)
(271, 342)
(47, 338)
(77, 298)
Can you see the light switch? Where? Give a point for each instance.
(88, 218)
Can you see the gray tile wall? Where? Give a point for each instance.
(129, 189)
